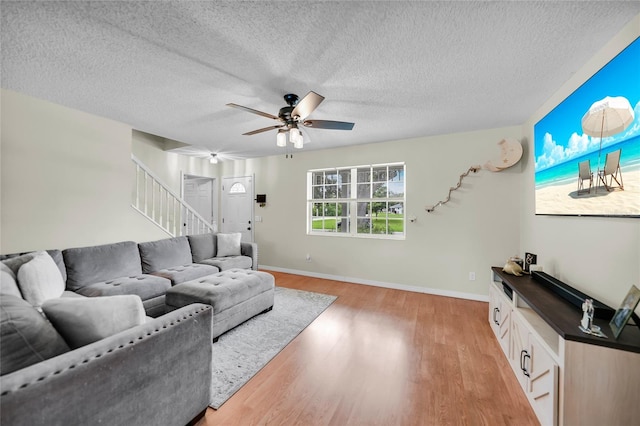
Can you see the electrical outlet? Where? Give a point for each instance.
(472, 276)
(308, 258)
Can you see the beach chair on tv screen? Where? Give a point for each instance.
(584, 173)
(612, 171)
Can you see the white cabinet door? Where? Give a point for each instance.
(536, 371)
(518, 351)
(500, 316)
(542, 384)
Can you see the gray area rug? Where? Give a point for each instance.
(241, 352)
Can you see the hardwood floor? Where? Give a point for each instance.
(379, 356)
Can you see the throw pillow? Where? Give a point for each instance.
(40, 279)
(85, 320)
(229, 244)
(26, 337)
(14, 263)
(8, 283)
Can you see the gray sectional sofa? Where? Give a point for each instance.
(155, 369)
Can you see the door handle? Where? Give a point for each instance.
(249, 229)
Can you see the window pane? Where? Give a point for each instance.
(318, 178)
(364, 190)
(396, 181)
(344, 191)
(317, 192)
(331, 177)
(396, 174)
(345, 176)
(342, 223)
(330, 191)
(316, 210)
(237, 188)
(364, 221)
(396, 218)
(380, 190)
(380, 174)
(364, 174)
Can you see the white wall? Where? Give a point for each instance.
(478, 228)
(166, 165)
(67, 178)
(597, 255)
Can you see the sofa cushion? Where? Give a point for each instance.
(228, 244)
(26, 337)
(145, 286)
(85, 320)
(40, 279)
(14, 262)
(163, 254)
(203, 246)
(229, 262)
(8, 283)
(90, 265)
(192, 271)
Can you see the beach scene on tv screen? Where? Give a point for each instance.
(579, 173)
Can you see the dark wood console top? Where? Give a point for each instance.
(563, 317)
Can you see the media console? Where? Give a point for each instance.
(569, 377)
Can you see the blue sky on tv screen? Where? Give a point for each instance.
(558, 137)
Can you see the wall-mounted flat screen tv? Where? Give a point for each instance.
(579, 174)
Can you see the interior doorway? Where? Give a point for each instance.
(201, 193)
(237, 206)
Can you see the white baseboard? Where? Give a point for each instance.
(416, 289)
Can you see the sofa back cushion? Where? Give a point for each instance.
(203, 246)
(26, 337)
(165, 253)
(90, 265)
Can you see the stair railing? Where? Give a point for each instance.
(162, 206)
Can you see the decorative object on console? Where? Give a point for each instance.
(586, 324)
(529, 259)
(512, 268)
(626, 310)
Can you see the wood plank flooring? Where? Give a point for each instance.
(379, 356)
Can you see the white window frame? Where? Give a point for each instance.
(353, 201)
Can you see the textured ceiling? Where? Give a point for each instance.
(396, 69)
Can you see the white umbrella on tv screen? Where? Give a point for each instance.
(607, 117)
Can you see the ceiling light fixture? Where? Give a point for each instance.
(281, 139)
(213, 159)
(295, 136)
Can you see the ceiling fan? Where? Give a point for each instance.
(292, 115)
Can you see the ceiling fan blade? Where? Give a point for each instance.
(328, 124)
(266, 129)
(254, 111)
(306, 105)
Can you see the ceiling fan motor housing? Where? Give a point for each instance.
(291, 99)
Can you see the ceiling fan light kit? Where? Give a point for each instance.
(290, 116)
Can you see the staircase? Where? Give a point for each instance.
(166, 209)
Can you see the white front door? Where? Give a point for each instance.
(237, 206)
